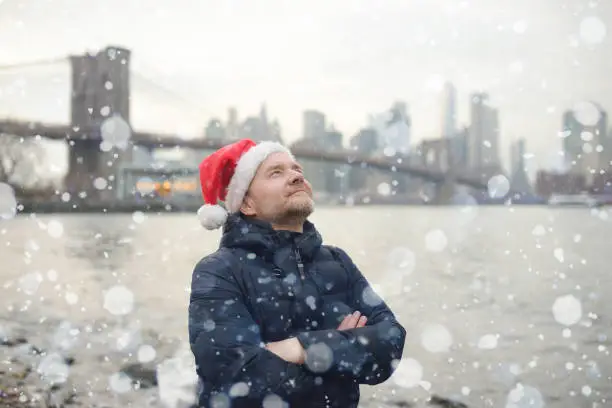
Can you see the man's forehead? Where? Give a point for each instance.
(278, 159)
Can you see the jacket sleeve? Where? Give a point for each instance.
(226, 341)
(367, 354)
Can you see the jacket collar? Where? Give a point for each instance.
(260, 238)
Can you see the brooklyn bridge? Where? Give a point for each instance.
(101, 140)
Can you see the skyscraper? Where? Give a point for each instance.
(232, 128)
(483, 139)
(314, 124)
(585, 140)
(394, 132)
(449, 111)
(519, 180)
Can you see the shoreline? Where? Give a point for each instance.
(89, 365)
(56, 363)
(128, 208)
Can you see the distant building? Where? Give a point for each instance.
(215, 130)
(233, 127)
(365, 141)
(326, 178)
(483, 140)
(396, 131)
(259, 129)
(586, 146)
(314, 124)
(549, 183)
(449, 111)
(519, 181)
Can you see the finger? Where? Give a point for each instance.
(362, 321)
(353, 319)
(344, 323)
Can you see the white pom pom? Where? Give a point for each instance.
(212, 216)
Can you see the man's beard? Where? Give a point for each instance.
(297, 212)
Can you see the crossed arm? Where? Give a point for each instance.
(292, 351)
(228, 348)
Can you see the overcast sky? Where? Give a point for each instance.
(347, 58)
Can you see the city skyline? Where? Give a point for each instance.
(533, 68)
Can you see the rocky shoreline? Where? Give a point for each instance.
(57, 364)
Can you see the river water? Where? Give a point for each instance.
(501, 305)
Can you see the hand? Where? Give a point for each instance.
(353, 321)
(290, 350)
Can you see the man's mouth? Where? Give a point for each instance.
(297, 191)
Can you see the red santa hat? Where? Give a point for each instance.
(225, 176)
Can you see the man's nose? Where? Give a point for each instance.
(296, 178)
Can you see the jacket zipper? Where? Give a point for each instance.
(300, 264)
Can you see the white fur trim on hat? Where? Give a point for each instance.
(212, 216)
(245, 171)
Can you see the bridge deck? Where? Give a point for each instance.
(153, 140)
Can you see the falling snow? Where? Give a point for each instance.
(436, 240)
(30, 283)
(567, 310)
(409, 373)
(53, 369)
(100, 183)
(538, 230)
(319, 357)
(8, 202)
(587, 113)
(119, 300)
(592, 30)
(71, 298)
(384, 189)
(177, 379)
(488, 342)
(524, 396)
(520, 26)
(139, 217)
(55, 229)
(559, 254)
(436, 338)
(401, 261)
(120, 383)
(274, 401)
(240, 389)
(498, 186)
(146, 353)
(370, 297)
(115, 132)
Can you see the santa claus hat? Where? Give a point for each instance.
(225, 176)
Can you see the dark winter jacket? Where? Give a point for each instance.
(263, 286)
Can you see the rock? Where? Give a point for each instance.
(142, 374)
(443, 402)
(8, 342)
(60, 396)
(403, 404)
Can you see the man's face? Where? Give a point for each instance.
(279, 193)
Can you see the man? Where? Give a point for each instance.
(276, 318)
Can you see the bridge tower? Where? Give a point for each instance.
(100, 90)
(445, 191)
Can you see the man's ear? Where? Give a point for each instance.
(247, 207)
